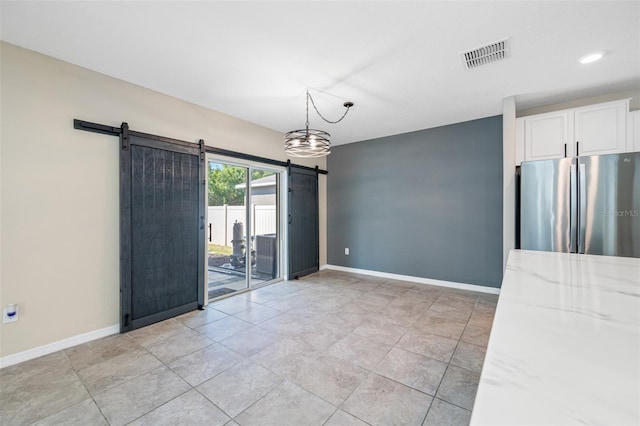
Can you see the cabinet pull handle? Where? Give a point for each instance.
(565, 150)
(577, 148)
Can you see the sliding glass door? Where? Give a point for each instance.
(243, 229)
(264, 212)
(227, 215)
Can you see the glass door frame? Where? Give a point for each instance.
(281, 225)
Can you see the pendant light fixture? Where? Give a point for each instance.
(309, 142)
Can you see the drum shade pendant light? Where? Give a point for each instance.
(309, 142)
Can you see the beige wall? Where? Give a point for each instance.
(59, 188)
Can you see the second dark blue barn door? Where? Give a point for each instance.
(304, 251)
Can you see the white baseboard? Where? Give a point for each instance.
(419, 280)
(47, 349)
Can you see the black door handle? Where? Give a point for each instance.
(209, 232)
(290, 219)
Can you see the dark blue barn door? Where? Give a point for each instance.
(162, 230)
(304, 250)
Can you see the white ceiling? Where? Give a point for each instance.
(399, 62)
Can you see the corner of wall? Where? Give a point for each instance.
(508, 176)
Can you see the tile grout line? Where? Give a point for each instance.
(191, 387)
(449, 364)
(85, 388)
(162, 364)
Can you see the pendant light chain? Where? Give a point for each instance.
(308, 96)
(321, 116)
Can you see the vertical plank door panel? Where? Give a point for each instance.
(163, 247)
(303, 222)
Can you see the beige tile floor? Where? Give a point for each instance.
(329, 349)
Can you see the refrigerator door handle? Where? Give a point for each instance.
(582, 200)
(573, 219)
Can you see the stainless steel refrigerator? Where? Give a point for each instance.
(581, 205)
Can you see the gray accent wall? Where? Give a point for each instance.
(426, 204)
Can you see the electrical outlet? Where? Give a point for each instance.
(10, 314)
(346, 251)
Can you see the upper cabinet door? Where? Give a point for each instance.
(601, 129)
(547, 135)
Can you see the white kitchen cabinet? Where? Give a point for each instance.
(548, 136)
(601, 129)
(590, 130)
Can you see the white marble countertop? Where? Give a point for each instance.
(565, 343)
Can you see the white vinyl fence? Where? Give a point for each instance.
(222, 218)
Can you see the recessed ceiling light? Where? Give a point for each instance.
(591, 57)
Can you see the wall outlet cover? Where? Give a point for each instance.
(6, 318)
(346, 251)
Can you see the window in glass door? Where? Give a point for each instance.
(243, 243)
(228, 254)
(264, 203)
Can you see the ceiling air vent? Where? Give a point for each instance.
(483, 55)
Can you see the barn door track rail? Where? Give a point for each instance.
(104, 129)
